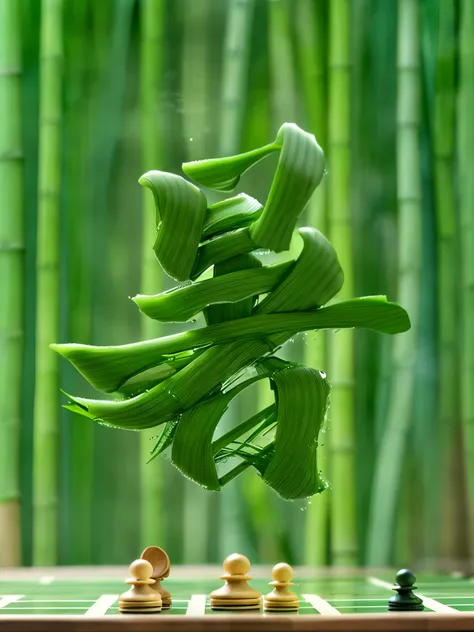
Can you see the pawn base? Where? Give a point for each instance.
(139, 608)
(405, 607)
(235, 604)
(281, 605)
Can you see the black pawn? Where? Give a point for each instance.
(405, 600)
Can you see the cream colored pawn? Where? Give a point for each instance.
(236, 593)
(160, 562)
(281, 597)
(141, 598)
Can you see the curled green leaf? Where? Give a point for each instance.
(180, 212)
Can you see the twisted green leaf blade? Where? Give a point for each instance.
(180, 211)
(302, 401)
(166, 438)
(236, 212)
(261, 421)
(192, 445)
(312, 282)
(192, 384)
(220, 312)
(223, 174)
(182, 303)
(193, 451)
(151, 377)
(107, 368)
(300, 169)
(221, 248)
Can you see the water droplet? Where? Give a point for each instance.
(191, 140)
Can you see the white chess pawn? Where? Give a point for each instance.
(140, 596)
(235, 593)
(160, 562)
(281, 597)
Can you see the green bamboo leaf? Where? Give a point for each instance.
(107, 368)
(193, 450)
(236, 212)
(301, 394)
(192, 446)
(222, 247)
(223, 174)
(259, 421)
(166, 438)
(182, 303)
(313, 281)
(180, 211)
(151, 377)
(178, 393)
(221, 312)
(300, 169)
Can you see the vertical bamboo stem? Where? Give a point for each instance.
(11, 273)
(234, 75)
(311, 27)
(152, 25)
(236, 52)
(466, 206)
(391, 457)
(447, 247)
(341, 345)
(284, 107)
(77, 472)
(46, 409)
(256, 133)
(283, 83)
(195, 95)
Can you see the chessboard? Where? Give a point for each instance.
(87, 599)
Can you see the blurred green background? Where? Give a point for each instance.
(93, 94)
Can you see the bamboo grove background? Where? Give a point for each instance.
(93, 94)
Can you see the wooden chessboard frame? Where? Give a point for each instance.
(403, 622)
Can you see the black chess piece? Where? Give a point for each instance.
(405, 600)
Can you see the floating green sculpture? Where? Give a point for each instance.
(186, 381)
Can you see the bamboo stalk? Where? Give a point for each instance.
(236, 55)
(442, 404)
(311, 42)
(447, 248)
(113, 36)
(152, 26)
(257, 131)
(283, 83)
(341, 345)
(236, 51)
(12, 275)
(31, 35)
(466, 206)
(46, 408)
(77, 472)
(195, 94)
(283, 107)
(391, 456)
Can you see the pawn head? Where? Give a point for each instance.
(405, 578)
(282, 573)
(141, 570)
(236, 564)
